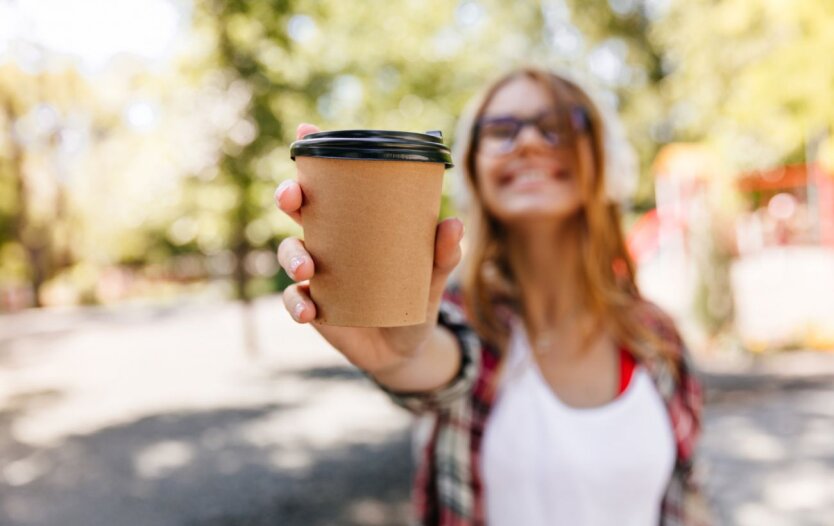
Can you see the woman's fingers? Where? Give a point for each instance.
(297, 301)
(288, 195)
(447, 255)
(295, 260)
(288, 198)
(447, 244)
(292, 255)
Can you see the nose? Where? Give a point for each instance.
(529, 136)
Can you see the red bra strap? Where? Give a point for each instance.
(627, 364)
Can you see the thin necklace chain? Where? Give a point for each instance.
(543, 342)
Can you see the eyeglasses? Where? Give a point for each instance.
(558, 127)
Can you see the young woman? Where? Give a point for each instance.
(560, 396)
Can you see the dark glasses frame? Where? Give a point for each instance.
(578, 118)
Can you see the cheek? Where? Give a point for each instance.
(485, 178)
(488, 192)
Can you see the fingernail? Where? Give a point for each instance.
(298, 310)
(299, 128)
(281, 189)
(296, 262)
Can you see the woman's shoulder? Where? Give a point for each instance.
(668, 357)
(658, 321)
(672, 366)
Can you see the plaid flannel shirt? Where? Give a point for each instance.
(448, 488)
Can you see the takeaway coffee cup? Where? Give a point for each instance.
(370, 210)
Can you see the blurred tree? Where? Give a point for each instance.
(397, 65)
(615, 49)
(36, 211)
(93, 172)
(750, 76)
(242, 30)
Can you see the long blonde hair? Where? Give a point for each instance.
(607, 280)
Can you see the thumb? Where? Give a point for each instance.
(447, 254)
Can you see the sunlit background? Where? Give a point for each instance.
(148, 371)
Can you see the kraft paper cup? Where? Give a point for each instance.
(370, 211)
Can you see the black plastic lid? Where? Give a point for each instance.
(379, 145)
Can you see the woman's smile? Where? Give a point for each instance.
(533, 178)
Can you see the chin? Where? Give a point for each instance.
(534, 207)
(546, 212)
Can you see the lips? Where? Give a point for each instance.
(534, 176)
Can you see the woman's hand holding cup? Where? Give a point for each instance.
(377, 350)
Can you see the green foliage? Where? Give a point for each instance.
(392, 65)
(752, 77)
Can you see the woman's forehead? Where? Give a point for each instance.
(521, 96)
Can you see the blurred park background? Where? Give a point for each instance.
(148, 371)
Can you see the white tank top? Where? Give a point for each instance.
(546, 463)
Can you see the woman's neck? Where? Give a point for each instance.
(546, 262)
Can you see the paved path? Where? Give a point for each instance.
(160, 416)
(769, 441)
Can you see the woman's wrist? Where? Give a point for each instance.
(394, 370)
(431, 367)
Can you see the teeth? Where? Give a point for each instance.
(533, 175)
